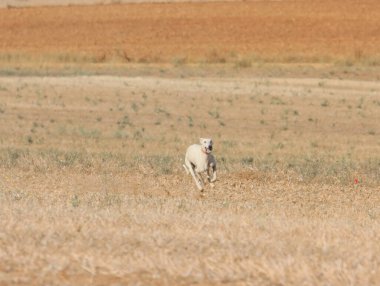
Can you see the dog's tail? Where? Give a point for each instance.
(186, 169)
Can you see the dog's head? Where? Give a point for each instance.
(206, 144)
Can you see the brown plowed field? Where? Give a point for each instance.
(216, 32)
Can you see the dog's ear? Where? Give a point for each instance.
(201, 140)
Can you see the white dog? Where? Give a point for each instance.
(199, 159)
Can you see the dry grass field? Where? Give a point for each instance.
(94, 126)
(93, 191)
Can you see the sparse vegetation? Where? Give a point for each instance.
(244, 63)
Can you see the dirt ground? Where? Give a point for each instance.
(289, 31)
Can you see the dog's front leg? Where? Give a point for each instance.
(195, 176)
(209, 174)
(213, 179)
(199, 180)
(213, 168)
(200, 177)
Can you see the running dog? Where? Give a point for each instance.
(199, 159)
